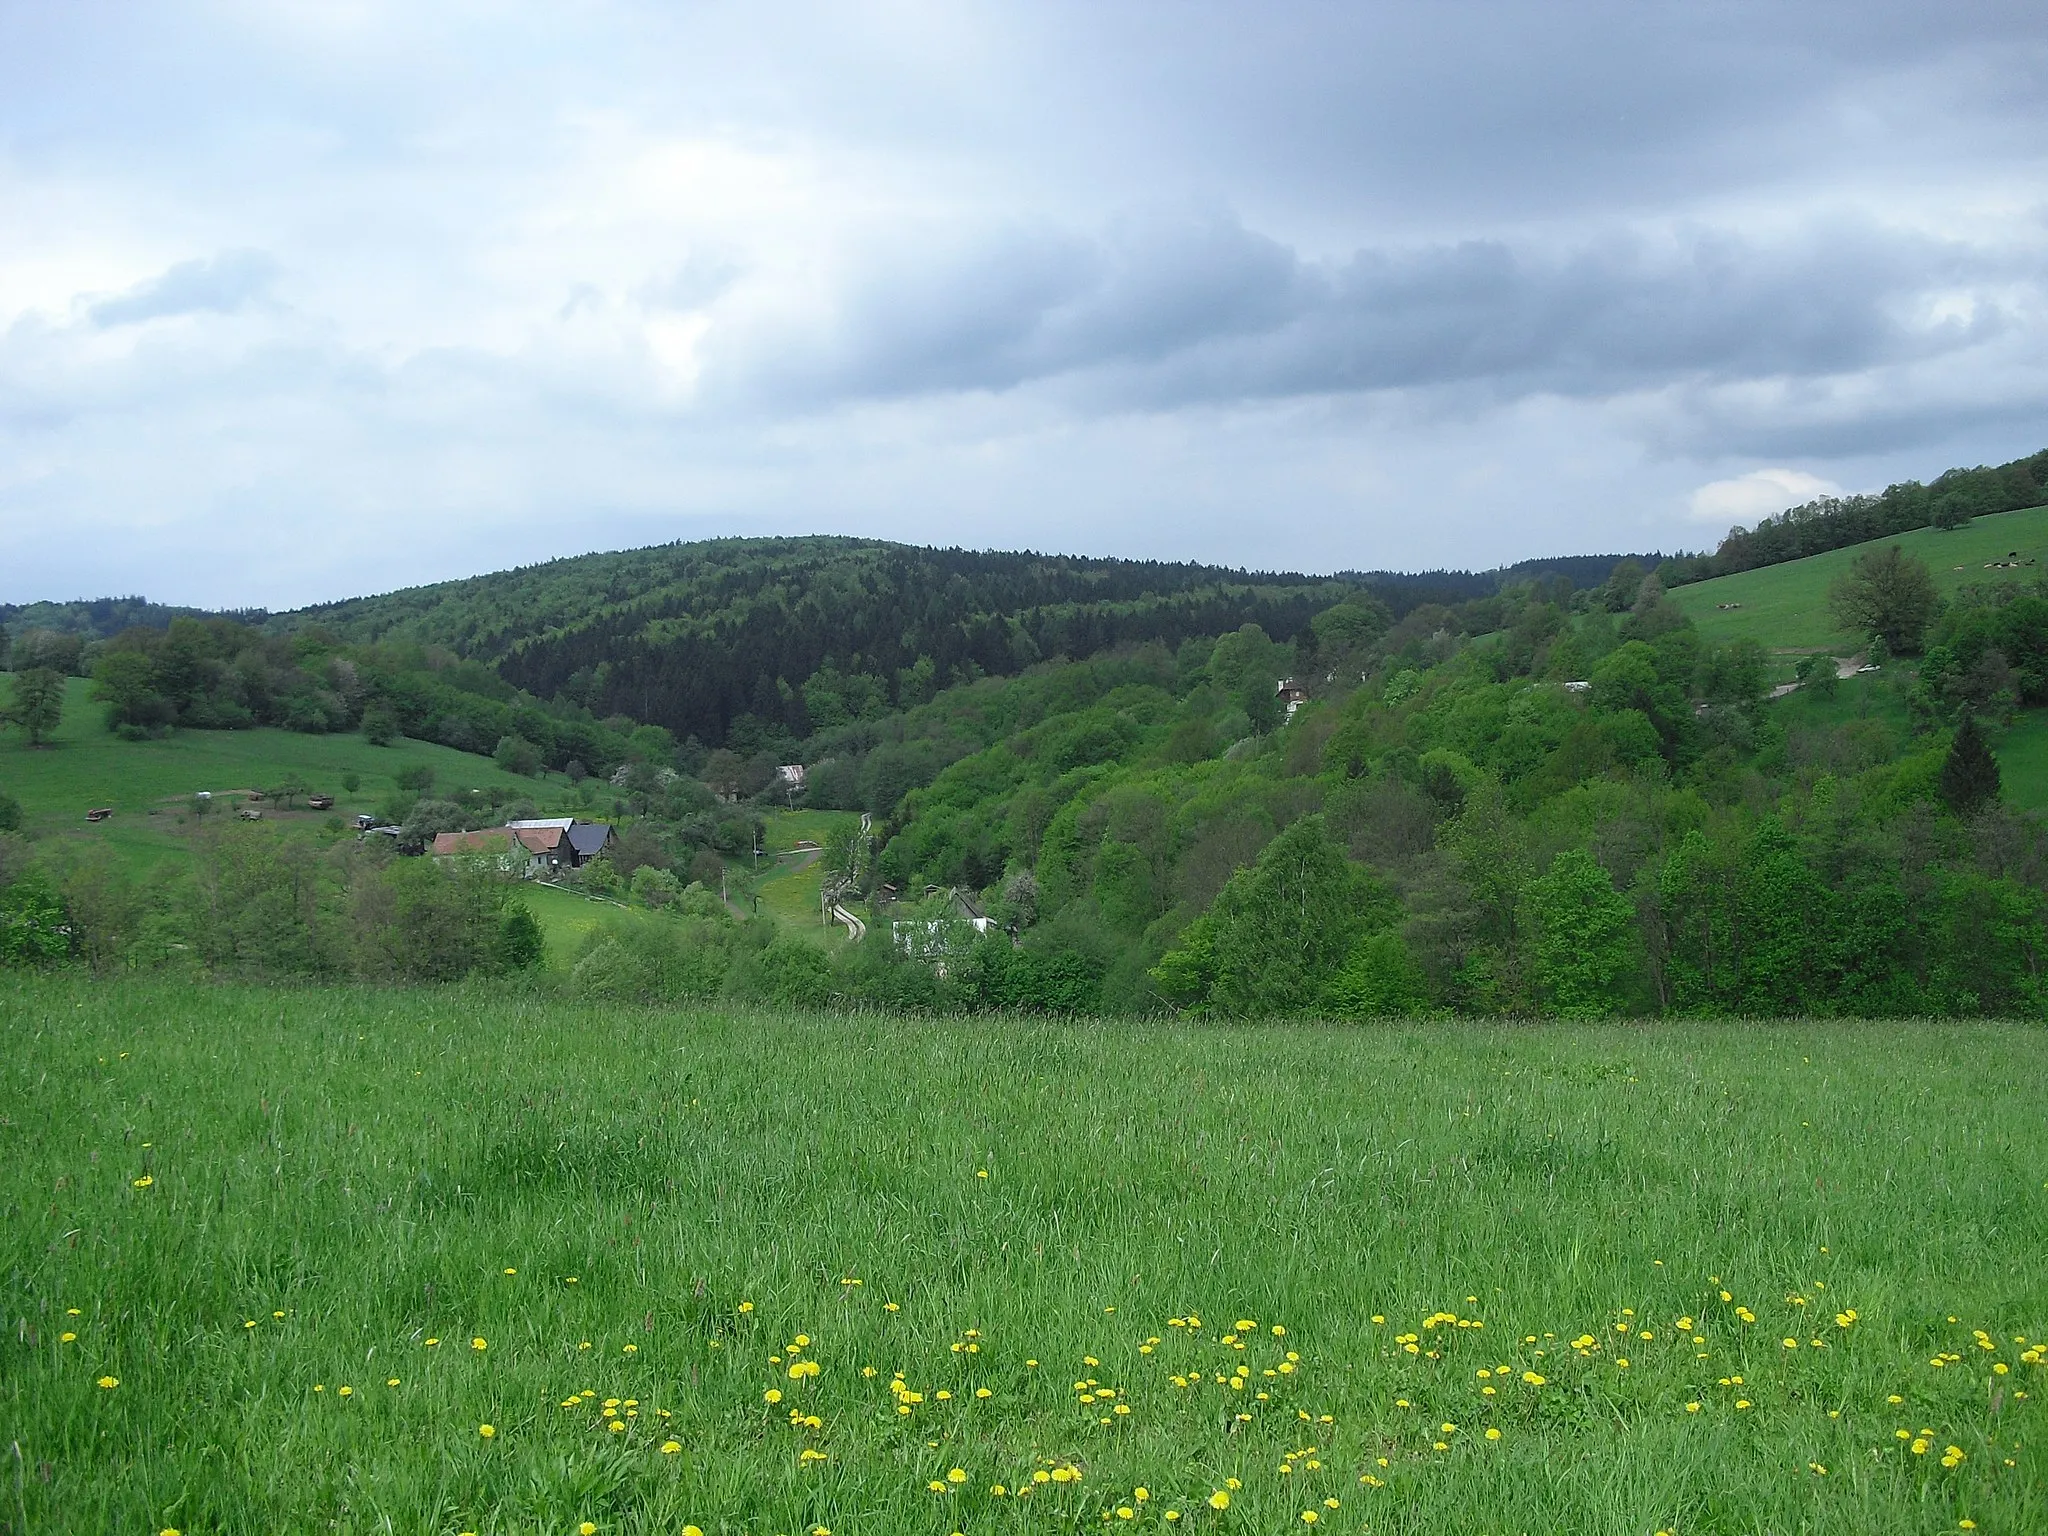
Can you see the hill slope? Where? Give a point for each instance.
(1785, 607)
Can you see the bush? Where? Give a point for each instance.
(380, 726)
(1380, 980)
(519, 944)
(33, 930)
(656, 961)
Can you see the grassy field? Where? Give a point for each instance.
(791, 891)
(1786, 606)
(150, 784)
(472, 1261)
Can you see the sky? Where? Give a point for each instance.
(301, 301)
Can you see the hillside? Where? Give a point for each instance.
(1784, 607)
(759, 643)
(150, 784)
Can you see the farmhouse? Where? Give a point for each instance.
(532, 848)
(1291, 694)
(563, 842)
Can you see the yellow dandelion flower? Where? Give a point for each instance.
(479, 1345)
(670, 1447)
(1219, 1499)
(144, 1182)
(485, 1431)
(588, 1527)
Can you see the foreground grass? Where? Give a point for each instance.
(320, 1240)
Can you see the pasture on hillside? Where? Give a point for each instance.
(1785, 607)
(476, 1260)
(150, 784)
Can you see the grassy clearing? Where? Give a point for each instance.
(1786, 606)
(791, 890)
(475, 1209)
(567, 918)
(150, 784)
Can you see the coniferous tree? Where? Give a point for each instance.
(1969, 778)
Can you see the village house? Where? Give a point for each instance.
(530, 849)
(1291, 694)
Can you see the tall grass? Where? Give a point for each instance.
(651, 1208)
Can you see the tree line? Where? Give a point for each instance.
(1951, 500)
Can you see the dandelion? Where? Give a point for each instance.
(144, 1182)
(587, 1528)
(957, 1475)
(477, 1344)
(1219, 1499)
(346, 1392)
(511, 1271)
(485, 1431)
(746, 1306)
(67, 1338)
(108, 1383)
(1492, 1433)
(670, 1447)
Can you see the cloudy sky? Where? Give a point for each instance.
(306, 298)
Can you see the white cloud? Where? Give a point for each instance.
(1760, 493)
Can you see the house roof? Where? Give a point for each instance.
(489, 840)
(564, 823)
(588, 837)
(540, 839)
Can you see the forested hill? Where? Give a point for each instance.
(746, 641)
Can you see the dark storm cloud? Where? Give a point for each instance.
(1163, 312)
(221, 286)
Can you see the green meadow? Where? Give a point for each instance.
(1785, 607)
(477, 1260)
(150, 784)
